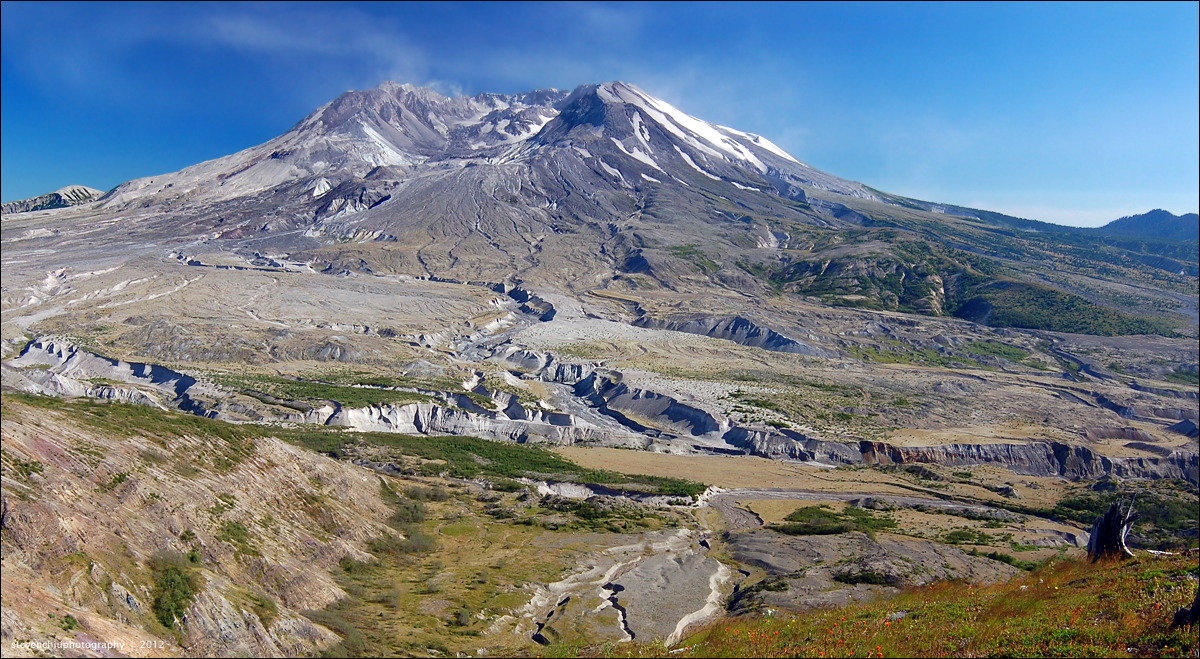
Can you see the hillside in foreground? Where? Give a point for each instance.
(1068, 608)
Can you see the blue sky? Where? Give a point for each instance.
(1069, 113)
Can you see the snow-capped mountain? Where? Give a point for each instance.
(399, 132)
(488, 185)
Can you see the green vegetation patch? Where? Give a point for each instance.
(994, 349)
(696, 257)
(1169, 512)
(1166, 522)
(22, 469)
(1184, 377)
(967, 537)
(472, 457)
(1033, 306)
(1028, 566)
(822, 520)
(175, 587)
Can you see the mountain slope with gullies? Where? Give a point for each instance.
(608, 188)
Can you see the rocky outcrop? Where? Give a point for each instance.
(72, 195)
(57, 367)
(513, 423)
(807, 572)
(1186, 427)
(1038, 459)
(603, 409)
(736, 329)
(791, 445)
(1164, 392)
(1128, 434)
(636, 407)
(217, 627)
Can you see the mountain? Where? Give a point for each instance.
(72, 195)
(1157, 224)
(608, 188)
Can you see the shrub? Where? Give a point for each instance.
(820, 520)
(418, 493)
(175, 588)
(868, 577)
(408, 512)
(352, 644)
(507, 485)
(415, 542)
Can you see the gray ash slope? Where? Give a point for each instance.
(484, 185)
(607, 187)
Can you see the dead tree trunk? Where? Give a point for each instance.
(1109, 531)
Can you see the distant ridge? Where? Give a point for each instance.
(1157, 223)
(72, 195)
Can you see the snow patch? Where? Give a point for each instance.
(637, 154)
(640, 130)
(681, 124)
(688, 160)
(612, 171)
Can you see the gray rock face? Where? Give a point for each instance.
(808, 571)
(611, 396)
(72, 195)
(63, 369)
(494, 187)
(788, 444)
(738, 330)
(1186, 427)
(1039, 459)
(217, 628)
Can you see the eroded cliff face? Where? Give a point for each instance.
(590, 405)
(1038, 459)
(91, 504)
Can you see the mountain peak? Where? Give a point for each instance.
(71, 195)
(1158, 223)
(612, 137)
